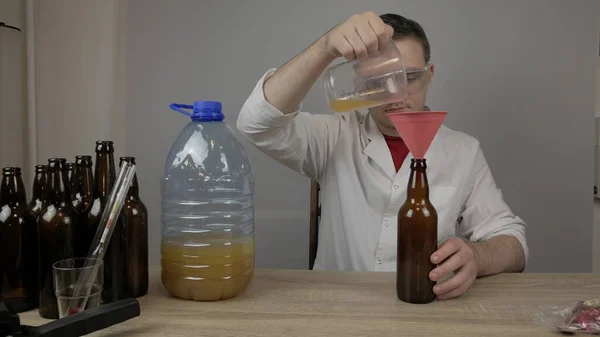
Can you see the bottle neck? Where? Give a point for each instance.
(70, 171)
(133, 191)
(12, 191)
(57, 188)
(39, 186)
(84, 178)
(418, 186)
(104, 174)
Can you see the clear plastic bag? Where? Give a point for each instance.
(582, 317)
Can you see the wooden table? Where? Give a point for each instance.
(319, 303)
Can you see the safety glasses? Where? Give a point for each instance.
(417, 79)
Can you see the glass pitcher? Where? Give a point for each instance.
(378, 79)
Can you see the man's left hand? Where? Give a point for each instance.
(455, 255)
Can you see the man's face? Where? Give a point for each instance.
(419, 76)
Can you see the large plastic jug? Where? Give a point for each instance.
(207, 248)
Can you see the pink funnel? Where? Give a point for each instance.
(417, 129)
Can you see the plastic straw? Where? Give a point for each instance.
(102, 238)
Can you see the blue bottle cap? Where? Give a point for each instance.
(202, 111)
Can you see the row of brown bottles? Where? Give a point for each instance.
(18, 245)
(65, 212)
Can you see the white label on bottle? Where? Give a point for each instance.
(95, 207)
(50, 213)
(5, 213)
(426, 212)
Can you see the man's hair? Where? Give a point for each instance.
(404, 28)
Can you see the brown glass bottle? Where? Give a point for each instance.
(417, 239)
(38, 198)
(83, 181)
(136, 219)
(60, 233)
(115, 259)
(18, 245)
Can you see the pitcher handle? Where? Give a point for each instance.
(179, 108)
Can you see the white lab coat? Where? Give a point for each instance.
(360, 191)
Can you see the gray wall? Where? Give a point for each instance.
(13, 108)
(518, 75)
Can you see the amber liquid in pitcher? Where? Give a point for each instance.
(209, 270)
(343, 105)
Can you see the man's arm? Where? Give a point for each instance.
(271, 118)
(494, 238)
(356, 37)
(289, 85)
(497, 236)
(500, 254)
(471, 260)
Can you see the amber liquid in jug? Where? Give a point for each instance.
(215, 269)
(18, 245)
(417, 239)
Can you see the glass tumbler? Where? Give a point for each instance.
(375, 80)
(66, 275)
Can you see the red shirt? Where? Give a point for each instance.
(398, 150)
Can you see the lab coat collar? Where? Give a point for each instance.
(375, 146)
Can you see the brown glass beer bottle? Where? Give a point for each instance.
(60, 233)
(417, 239)
(38, 198)
(18, 245)
(136, 220)
(115, 259)
(83, 181)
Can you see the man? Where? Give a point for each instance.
(362, 165)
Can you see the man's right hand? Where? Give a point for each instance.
(359, 36)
